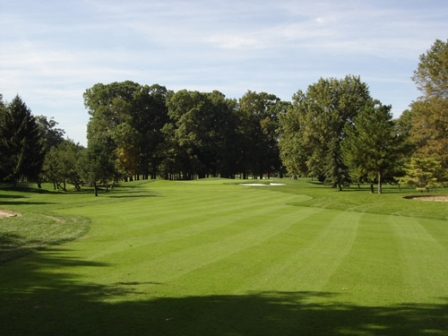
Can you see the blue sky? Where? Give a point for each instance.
(52, 51)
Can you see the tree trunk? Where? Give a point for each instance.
(372, 190)
(380, 189)
(95, 188)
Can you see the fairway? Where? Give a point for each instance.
(212, 257)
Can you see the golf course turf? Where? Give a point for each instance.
(212, 257)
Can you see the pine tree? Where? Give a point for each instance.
(372, 147)
(21, 145)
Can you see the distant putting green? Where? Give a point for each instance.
(212, 257)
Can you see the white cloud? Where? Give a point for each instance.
(53, 51)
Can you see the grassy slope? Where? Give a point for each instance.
(205, 257)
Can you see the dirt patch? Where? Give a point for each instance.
(429, 198)
(59, 220)
(6, 213)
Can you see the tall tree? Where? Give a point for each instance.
(97, 164)
(320, 116)
(150, 114)
(50, 133)
(200, 128)
(431, 75)
(429, 130)
(61, 165)
(372, 146)
(133, 116)
(21, 144)
(259, 121)
(292, 151)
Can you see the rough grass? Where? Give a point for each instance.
(211, 257)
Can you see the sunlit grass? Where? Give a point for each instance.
(213, 257)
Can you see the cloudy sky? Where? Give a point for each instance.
(52, 51)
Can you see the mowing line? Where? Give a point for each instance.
(200, 253)
(425, 261)
(312, 265)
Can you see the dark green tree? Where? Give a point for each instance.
(319, 116)
(200, 132)
(133, 116)
(258, 124)
(60, 165)
(50, 133)
(293, 151)
(372, 148)
(97, 164)
(21, 144)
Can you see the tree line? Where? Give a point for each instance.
(334, 131)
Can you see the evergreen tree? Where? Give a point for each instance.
(21, 144)
(372, 148)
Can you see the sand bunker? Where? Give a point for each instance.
(261, 184)
(5, 214)
(431, 198)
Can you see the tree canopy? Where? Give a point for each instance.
(21, 143)
(372, 147)
(334, 131)
(431, 75)
(316, 122)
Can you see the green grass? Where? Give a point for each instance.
(211, 257)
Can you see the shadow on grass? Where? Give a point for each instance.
(38, 298)
(134, 196)
(23, 203)
(11, 196)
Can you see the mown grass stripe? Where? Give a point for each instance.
(425, 261)
(314, 263)
(197, 253)
(371, 272)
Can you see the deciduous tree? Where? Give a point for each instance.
(431, 75)
(423, 173)
(319, 116)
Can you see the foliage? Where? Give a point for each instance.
(431, 75)
(258, 117)
(21, 143)
(319, 116)
(61, 165)
(97, 163)
(291, 145)
(372, 148)
(429, 132)
(51, 135)
(202, 126)
(423, 173)
(133, 116)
